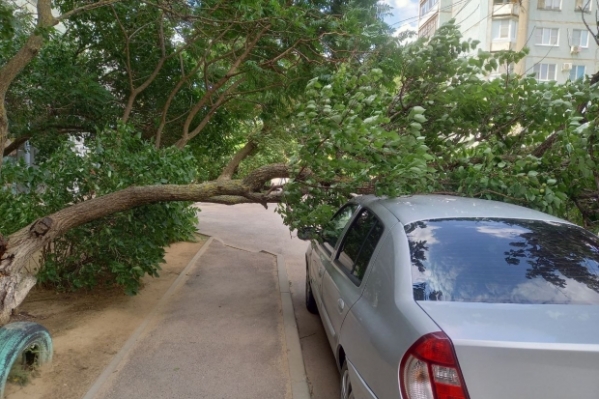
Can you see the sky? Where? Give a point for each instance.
(405, 14)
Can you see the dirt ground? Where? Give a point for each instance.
(88, 329)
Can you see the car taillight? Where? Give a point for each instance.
(430, 370)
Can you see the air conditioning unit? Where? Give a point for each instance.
(567, 66)
(574, 49)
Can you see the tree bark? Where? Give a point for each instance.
(15, 252)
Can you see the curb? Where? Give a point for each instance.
(122, 353)
(295, 359)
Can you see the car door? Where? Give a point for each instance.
(324, 251)
(341, 284)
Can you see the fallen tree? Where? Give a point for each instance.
(17, 249)
(178, 74)
(400, 119)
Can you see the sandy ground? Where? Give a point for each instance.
(89, 328)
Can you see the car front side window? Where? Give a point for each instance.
(333, 229)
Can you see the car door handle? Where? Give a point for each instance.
(340, 305)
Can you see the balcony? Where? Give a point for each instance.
(506, 10)
(502, 45)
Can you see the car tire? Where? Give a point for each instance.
(346, 389)
(22, 342)
(310, 300)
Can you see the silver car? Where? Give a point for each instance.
(438, 297)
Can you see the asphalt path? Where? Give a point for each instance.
(251, 226)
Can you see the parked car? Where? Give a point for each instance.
(439, 297)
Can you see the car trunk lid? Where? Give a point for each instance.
(523, 351)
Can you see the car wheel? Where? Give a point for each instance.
(310, 300)
(346, 388)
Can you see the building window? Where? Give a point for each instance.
(550, 4)
(547, 36)
(504, 29)
(428, 29)
(546, 72)
(427, 5)
(583, 5)
(580, 37)
(577, 72)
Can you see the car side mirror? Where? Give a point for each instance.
(306, 233)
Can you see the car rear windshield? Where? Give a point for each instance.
(503, 261)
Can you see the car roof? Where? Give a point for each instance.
(412, 208)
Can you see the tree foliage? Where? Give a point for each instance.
(185, 101)
(425, 118)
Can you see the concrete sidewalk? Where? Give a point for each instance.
(220, 335)
(253, 227)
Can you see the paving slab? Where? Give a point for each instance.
(220, 336)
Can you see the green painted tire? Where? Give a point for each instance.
(15, 339)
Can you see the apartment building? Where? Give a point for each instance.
(561, 47)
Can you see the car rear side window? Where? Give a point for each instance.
(503, 261)
(359, 245)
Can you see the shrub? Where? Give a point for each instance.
(118, 249)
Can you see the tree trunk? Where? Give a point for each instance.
(15, 252)
(3, 127)
(8, 73)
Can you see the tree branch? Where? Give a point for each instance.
(135, 92)
(84, 8)
(168, 102)
(242, 154)
(545, 145)
(127, 49)
(15, 144)
(231, 73)
(221, 100)
(594, 34)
